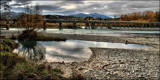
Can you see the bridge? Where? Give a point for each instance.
(92, 23)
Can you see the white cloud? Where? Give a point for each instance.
(69, 6)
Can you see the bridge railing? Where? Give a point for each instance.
(70, 20)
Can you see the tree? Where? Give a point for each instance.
(31, 21)
(138, 16)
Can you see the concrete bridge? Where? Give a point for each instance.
(92, 23)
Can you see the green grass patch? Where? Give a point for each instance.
(7, 44)
(15, 67)
(18, 68)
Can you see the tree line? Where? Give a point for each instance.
(147, 16)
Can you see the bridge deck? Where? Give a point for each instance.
(97, 21)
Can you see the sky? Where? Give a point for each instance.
(106, 7)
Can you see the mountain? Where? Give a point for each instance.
(12, 14)
(95, 15)
(79, 15)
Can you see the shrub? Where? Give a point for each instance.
(31, 35)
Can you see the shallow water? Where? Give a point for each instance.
(99, 31)
(68, 51)
(94, 31)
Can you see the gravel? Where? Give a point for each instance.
(108, 63)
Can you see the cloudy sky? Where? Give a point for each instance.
(106, 7)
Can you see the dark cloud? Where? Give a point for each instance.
(106, 7)
(22, 1)
(20, 4)
(124, 7)
(72, 2)
(4, 1)
(142, 4)
(49, 7)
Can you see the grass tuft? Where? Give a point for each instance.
(15, 67)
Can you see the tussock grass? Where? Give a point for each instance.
(15, 67)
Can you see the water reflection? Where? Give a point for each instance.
(31, 50)
(78, 50)
(68, 51)
(65, 51)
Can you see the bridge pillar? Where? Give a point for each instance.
(74, 25)
(93, 25)
(132, 25)
(142, 25)
(60, 26)
(44, 26)
(109, 25)
(87, 25)
(7, 25)
(103, 25)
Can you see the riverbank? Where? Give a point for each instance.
(19, 68)
(105, 63)
(108, 63)
(143, 39)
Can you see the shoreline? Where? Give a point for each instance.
(108, 63)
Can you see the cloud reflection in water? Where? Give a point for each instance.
(78, 50)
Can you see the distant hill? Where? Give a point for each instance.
(95, 15)
(62, 17)
(12, 14)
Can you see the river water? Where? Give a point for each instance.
(74, 50)
(99, 31)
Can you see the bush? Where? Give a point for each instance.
(30, 35)
(27, 35)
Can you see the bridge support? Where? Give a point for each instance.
(7, 25)
(44, 26)
(103, 25)
(74, 26)
(93, 26)
(60, 26)
(110, 26)
(87, 25)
